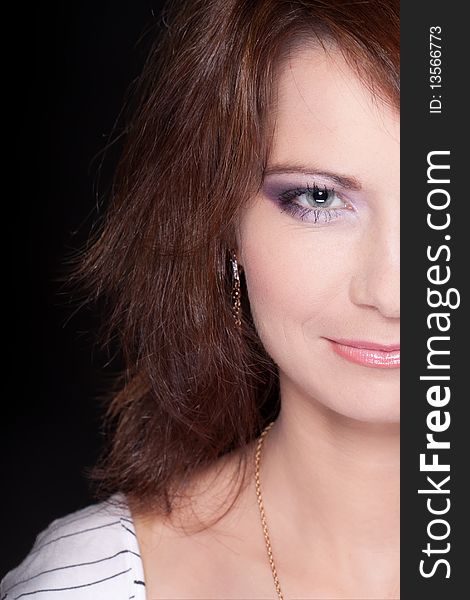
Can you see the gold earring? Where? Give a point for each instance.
(236, 305)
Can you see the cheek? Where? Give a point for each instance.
(297, 278)
(298, 281)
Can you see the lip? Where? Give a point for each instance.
(369, 354)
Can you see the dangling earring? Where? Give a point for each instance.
(236, 306)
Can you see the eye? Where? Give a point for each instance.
(313, 203)
(314, 196)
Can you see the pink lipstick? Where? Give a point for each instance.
(368, 354)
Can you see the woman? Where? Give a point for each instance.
(250, 260)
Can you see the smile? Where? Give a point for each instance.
(368, 354)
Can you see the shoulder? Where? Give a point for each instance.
(92, 552)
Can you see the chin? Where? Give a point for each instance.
(377, 409)
(381, 415)
(367, 396)
(374, 403)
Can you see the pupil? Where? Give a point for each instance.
(320, 196)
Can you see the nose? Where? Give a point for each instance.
(376, 281)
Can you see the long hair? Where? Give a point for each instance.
(194, 386)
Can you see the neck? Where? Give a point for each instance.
(340, 479)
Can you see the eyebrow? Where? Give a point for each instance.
(345, 181)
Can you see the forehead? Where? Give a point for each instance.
(324, 111)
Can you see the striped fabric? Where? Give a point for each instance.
(90, 554)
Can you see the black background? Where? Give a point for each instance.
(72, 64)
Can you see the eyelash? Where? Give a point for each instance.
(303, 213)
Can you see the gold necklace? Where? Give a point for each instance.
(261, 509)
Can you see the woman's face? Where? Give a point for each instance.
(319, 244)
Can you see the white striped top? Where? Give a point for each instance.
(90, 554)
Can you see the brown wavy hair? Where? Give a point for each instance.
(194, 386)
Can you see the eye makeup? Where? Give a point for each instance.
(311, 202)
